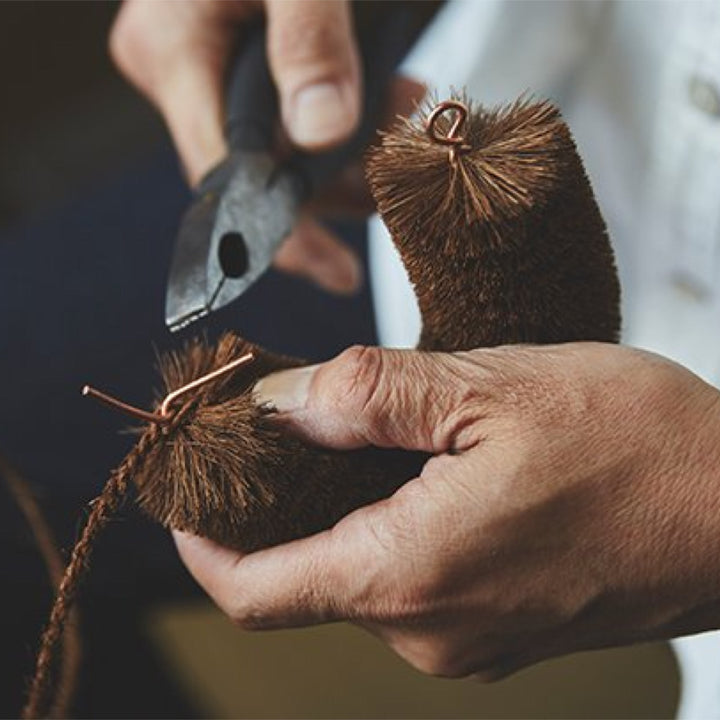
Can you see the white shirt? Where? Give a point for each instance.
(639, 85)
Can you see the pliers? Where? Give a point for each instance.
(246, 206)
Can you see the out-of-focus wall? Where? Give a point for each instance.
(67, 119)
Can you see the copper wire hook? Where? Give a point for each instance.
(453, 140)
(171, 397)
(164, 416)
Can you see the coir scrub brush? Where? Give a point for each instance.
(495, 221)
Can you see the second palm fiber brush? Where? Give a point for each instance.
(495, 221)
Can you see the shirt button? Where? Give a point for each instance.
(689, 288)
(705, 96)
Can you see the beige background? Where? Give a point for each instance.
(340, 672)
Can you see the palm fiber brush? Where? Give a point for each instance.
(495, 221)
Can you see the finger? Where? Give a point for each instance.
(350, 195)
(316, 254)
(198, 136)
(176, 54)
(304, 582)
(406, 94)
(314, 60)
(388, 398)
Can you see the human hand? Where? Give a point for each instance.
(176, 54)
(572, 502)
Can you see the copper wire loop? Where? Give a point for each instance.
(165, 414)
(454, 140)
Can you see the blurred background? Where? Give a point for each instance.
(90, 197)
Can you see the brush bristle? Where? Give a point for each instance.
(512, 161)
(505, 243)
(229, 472)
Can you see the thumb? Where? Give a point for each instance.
(314, 60)
(371, 396)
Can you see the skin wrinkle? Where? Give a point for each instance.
(401, 605)
(452, 430)
(365, 582)
(407, 597)
(364, 370)
(393, 523)
(315, 590)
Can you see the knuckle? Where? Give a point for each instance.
(248, 618)
(666, 387)
(451, 654)
(435, 658)
(356, 375)
(449, 662)
(306, 41)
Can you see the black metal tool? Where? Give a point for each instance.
(248, 204)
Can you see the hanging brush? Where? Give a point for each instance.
(495, 221)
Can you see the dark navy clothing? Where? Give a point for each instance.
(82, 300)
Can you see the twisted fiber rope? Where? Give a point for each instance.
(48, 549)
(103, 508)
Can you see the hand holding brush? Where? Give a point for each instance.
(495, 221)
(569, 497)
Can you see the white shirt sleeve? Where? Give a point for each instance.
(639, 84)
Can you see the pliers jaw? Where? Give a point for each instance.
(243, 211)
(257, 212)
(186, 298)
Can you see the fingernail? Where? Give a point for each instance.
(286, 390)
(321, 114)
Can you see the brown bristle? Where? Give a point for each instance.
(514, 159)
(505, 244)
(230, 473)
